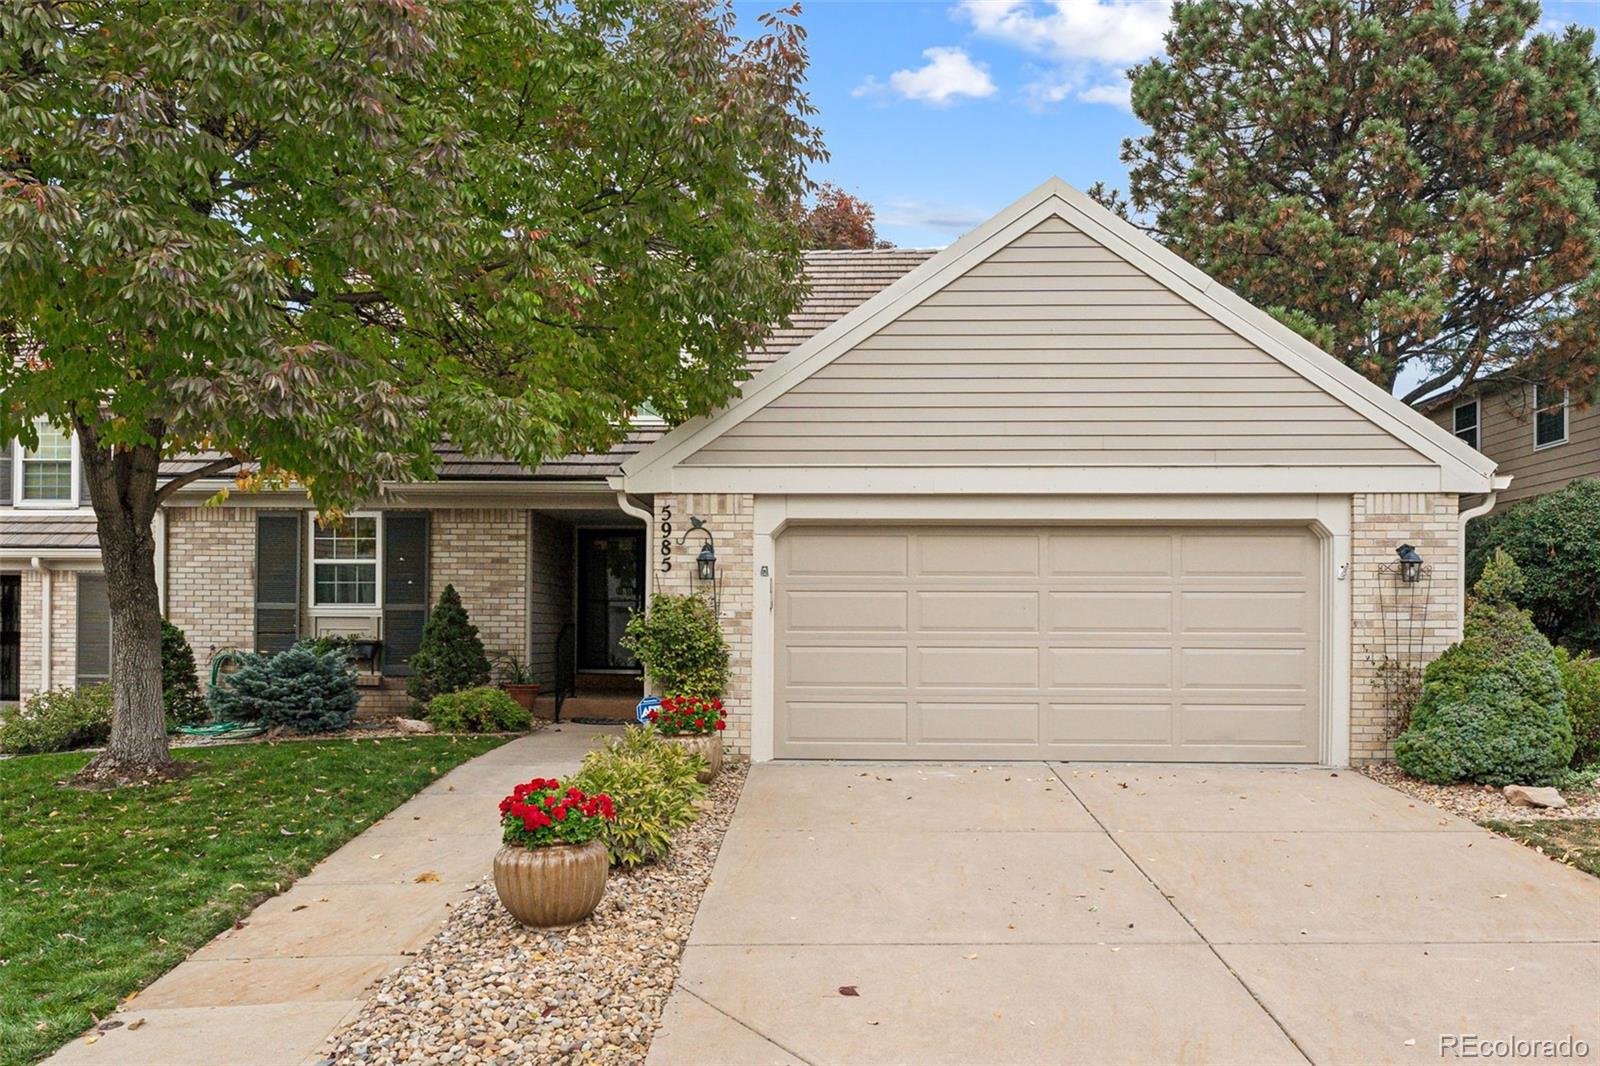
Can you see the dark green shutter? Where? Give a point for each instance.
(405, 588)
(278, 581)
(94, 629)
(5, 471)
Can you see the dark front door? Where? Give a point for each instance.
(610, 589)
(10, 636)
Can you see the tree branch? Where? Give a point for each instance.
(216, 466)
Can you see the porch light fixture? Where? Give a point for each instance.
(705, 564)
(1410, 564)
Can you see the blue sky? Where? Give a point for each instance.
(940, 114)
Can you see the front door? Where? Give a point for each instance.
(10, 636)
(610, 589)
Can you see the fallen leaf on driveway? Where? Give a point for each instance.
(110, 1024)
(135, 1025)
(972, 956)
(301, 907)
(426, 876)
(848, 990)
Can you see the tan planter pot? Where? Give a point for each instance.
(553, 887)
(709, 748)
(525, 695)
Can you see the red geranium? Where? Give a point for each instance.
(678, 716)
(543, 812)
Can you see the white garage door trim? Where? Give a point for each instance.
(1327, 516)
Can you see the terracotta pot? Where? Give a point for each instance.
(525, 695)
(553, 887)
(708, 747)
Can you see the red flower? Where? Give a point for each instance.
(721, 724)
(559, 812)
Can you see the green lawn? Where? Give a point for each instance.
(100, 893)
(1574, 841)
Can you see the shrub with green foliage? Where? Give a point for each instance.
(653, 784)
(1555, 539)
(1492, 708)
(450, 657)
(1580, 680)
(298, 688)
(680, 643)
(59, 720)
(180, 688)
(478, 710)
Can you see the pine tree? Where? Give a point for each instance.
(450, 656)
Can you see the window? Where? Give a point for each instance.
(1466, 425)
(1549, 416)
(46, 473)
(344, 562)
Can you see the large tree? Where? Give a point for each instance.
(1410, 183)
(319, 238)
(837, 220)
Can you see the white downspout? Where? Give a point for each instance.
(45, 590)
(160, 533)
(628, 507)
(1461, 564)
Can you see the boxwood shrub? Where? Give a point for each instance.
(680, 643)
(478, 710)
(1580, 679)
(61, 719)
(1555, 539)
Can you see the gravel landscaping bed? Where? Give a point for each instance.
(1483, 803)
(488, 990)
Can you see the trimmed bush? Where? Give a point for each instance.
(1492, 708)
(1555, 539)
(1580, 680)
(680, 643)
(59, 720)
(653, 784)
(180, 689)
(450, 657)
(299, 688)
(478, 710)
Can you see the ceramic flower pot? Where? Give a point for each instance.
(551, 887)
(708, 747)
(525, 695)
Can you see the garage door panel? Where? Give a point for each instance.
(1110, 612)
(842, 666)
(978, 723)
(1115, 668)
(833, 610)
(978, 611)
(847, 721)
(1198, 643)
(1109, 722)
(962, 667)
(1110, 554)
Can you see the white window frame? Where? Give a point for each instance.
(356, 609)
(1566, 420)
(18, 461)
(1477, 422)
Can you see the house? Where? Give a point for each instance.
(1048, 492)
(1534, 432)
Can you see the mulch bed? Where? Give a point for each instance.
(1483, 803)
(370, 729)
(488, 990)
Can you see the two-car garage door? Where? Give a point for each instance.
(1087, 642)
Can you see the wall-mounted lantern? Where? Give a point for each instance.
(1410, 564)
(705, 564)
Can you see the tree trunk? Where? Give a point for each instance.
(123, 486)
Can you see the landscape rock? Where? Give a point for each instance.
(413, 725)
(1528, 796)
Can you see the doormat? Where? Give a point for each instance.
(586, 719)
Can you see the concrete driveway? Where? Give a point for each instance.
(1035, 912)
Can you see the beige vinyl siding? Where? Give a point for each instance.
(549, 592)
(1055, 351)
(1505, 434)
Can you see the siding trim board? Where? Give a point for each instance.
(1010, 290)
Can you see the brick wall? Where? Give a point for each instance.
(211, 579)
(1411, 624)
(731, 519)
(484, 554)
(63, 631)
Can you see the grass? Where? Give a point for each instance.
(100, 893)
(1574, 841)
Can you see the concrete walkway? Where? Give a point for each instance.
(269, 993)
(1074, 913)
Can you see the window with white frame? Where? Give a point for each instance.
(47, 474)
(1549, 416)
(1466, 422)
(344, 562)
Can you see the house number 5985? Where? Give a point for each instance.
(666, 538)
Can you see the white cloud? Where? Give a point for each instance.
(1100, 31)
(931, 215)
(948, 74)
(1114, 93)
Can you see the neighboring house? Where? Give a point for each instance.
(1534, 433)
(1052, 493)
